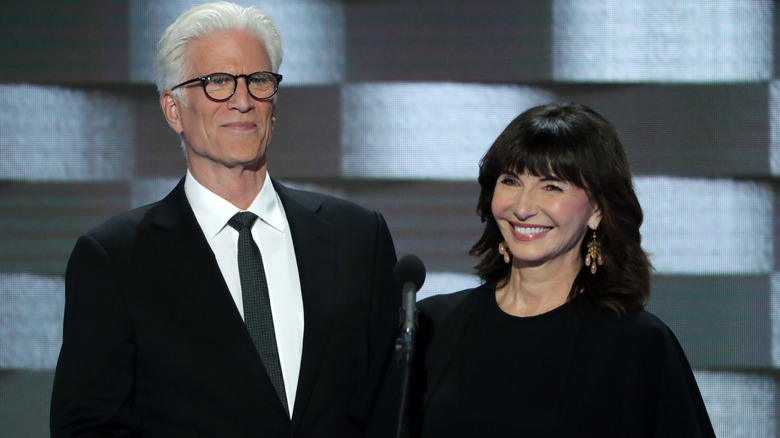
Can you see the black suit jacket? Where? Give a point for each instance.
(154, 346)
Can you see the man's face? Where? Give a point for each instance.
(230, 134)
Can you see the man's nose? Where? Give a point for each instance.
(241, 99)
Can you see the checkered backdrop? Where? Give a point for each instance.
(391, 104)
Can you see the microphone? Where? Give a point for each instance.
(410, 273)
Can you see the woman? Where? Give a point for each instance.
(555, 343)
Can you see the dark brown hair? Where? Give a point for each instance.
(575, 143)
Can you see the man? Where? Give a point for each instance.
(155, 342)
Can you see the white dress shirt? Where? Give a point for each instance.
(272, 235)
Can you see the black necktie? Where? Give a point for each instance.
(257, 305)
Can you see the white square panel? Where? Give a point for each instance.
(426, 130)
(662, 40)
(57, 134)
(702, 226)
(31, 309)
(739, 405)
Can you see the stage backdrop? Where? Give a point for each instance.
(391, 104)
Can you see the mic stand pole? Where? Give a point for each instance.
(405, 353)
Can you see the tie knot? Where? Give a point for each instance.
(242, 220)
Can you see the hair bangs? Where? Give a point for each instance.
(546, 158)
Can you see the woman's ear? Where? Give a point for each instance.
(595, 218)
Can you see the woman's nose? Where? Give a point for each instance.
(525, 205)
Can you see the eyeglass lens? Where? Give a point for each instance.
(221, 86)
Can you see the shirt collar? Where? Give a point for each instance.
(214, 212)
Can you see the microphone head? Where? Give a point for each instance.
(410, 269)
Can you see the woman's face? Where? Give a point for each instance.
(542, 219)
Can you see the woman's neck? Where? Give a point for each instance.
(532, 291)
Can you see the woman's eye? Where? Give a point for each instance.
(553, 187)
(509, 181)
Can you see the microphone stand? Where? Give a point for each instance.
(410, 273)
(405, 354)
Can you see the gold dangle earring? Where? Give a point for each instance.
(594, 258)
(504, 251)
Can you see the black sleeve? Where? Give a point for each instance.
(377, 399)
(94, 379)
(680, 409)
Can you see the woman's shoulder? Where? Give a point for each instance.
(643, 324)
(638, 328)
(442, 321)
(441, 305)
(637, 320)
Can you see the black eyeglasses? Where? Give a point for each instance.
(221, 86)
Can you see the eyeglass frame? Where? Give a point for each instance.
(204, 79)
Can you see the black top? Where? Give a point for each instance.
(576, 371)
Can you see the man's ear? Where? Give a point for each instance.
(170, 107)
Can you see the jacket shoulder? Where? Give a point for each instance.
(127, 225)
(123, 225)
(322, 203)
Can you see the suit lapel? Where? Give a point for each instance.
(315, 241)
(180, 241)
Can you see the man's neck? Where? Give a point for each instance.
(238, 186)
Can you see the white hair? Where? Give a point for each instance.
(171, 64)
